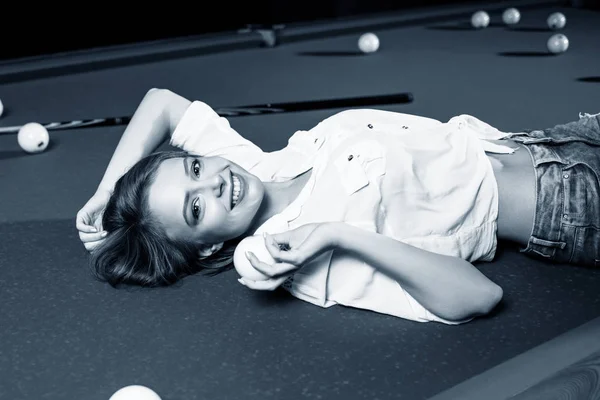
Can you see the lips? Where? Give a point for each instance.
(230, 190)
(242, 191)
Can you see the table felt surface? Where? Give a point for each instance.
(66, 336)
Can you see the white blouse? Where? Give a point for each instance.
(415, 179)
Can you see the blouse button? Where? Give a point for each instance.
(316, 140)
(370, 126)
(566, 176)
(350, 157)
(405, 127)
(565, 216)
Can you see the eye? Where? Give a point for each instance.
(195, 207)
(194, 164)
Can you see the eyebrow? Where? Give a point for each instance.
(187, 194)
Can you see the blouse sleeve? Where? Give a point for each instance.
(202, 131)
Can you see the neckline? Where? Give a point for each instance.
(293, 209)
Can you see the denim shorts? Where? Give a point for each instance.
(566, 158)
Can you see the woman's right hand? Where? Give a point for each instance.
(89, 220)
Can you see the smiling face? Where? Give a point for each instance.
(192, 196)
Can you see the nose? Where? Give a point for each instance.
(214, 183)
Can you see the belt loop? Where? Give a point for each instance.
(547, 243)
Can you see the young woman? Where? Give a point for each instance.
(370, 209)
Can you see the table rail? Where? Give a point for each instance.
(12, 71)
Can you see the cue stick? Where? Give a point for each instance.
(275, 108)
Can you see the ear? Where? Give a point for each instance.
(206, 251)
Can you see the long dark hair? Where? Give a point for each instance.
(137, 250)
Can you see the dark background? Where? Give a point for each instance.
(30, 29)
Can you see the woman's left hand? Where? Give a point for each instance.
(291, 250)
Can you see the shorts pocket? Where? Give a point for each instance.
(587, 247)
(581, 204)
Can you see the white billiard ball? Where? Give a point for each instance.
(511, 16)
(135, 392)
(368, 43)
(558, 43)
(556, 21)
(33, 137)
(480, 19)
(256, 245)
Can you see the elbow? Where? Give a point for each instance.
(162, 95)
(480, 305)
(155, 90)
(158, 93)
(492, 299)
(172, 105)
(155, 96)
(487, 301)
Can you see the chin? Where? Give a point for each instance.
(255, 194)
(253, 198)
(252, 205)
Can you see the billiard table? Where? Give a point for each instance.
(64, 335)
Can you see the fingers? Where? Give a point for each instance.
(92, 244)
(270, 270)
(279, 242)
(92, 237)
(282, 237)
(82, 224)
(280, 251)
(86, 224)
(270, 284)
(82, 227)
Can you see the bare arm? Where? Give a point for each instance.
(156, 117)
(449, 287)
(154, 120)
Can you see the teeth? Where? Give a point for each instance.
(236, 190)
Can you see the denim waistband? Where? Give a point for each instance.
(567, 213)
